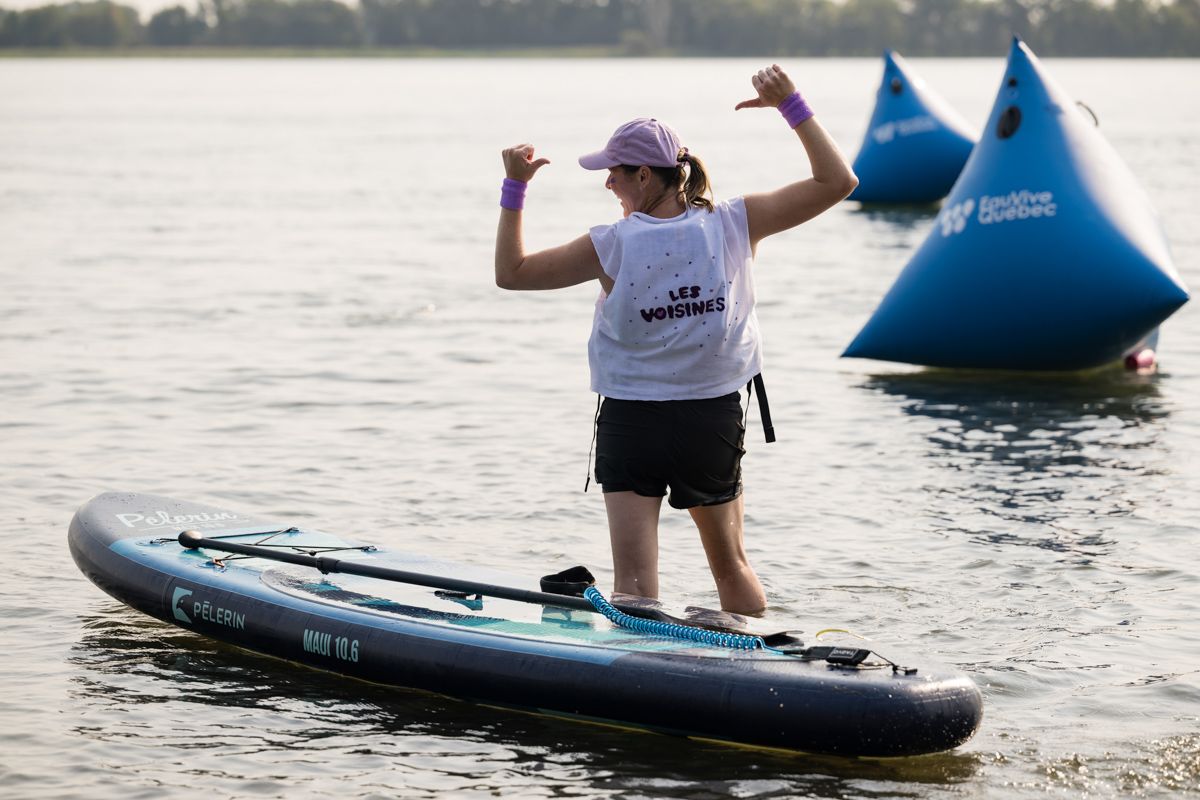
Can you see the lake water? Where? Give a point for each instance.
(266, 284)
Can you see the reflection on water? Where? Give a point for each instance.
(1046, 456)
(306, 726)
(894, 230)
(899, 216)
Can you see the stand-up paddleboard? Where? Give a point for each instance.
(916, 144)
(1046, 256)
(317, 599)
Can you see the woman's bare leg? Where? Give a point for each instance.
(721, 534)
(633, 530)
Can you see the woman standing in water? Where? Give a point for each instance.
(675, 334)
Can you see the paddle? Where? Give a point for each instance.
(193, 540)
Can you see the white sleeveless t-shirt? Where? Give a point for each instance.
(679, 323)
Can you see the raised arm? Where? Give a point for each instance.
(555, 268)
(832, 179)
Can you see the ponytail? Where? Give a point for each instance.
(696, 187)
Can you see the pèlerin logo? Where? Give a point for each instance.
(953, 219)
(176, 604)
(204, 610)
(162, 519)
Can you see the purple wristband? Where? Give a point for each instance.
(512, 194)
(794, 109)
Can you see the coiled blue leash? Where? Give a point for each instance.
(735, 641)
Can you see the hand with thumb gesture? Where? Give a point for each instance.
(519, 163)
(773, 87)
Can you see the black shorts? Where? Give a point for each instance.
(694, 447)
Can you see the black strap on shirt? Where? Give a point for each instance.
(592, 449)
(764, 408)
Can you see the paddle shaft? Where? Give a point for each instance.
(192, 540)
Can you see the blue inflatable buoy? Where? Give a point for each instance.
(915, 145)
(1046, 256)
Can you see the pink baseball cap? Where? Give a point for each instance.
(641, 142)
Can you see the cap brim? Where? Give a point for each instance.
(598, 160)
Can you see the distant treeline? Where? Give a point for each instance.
(630, 27)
